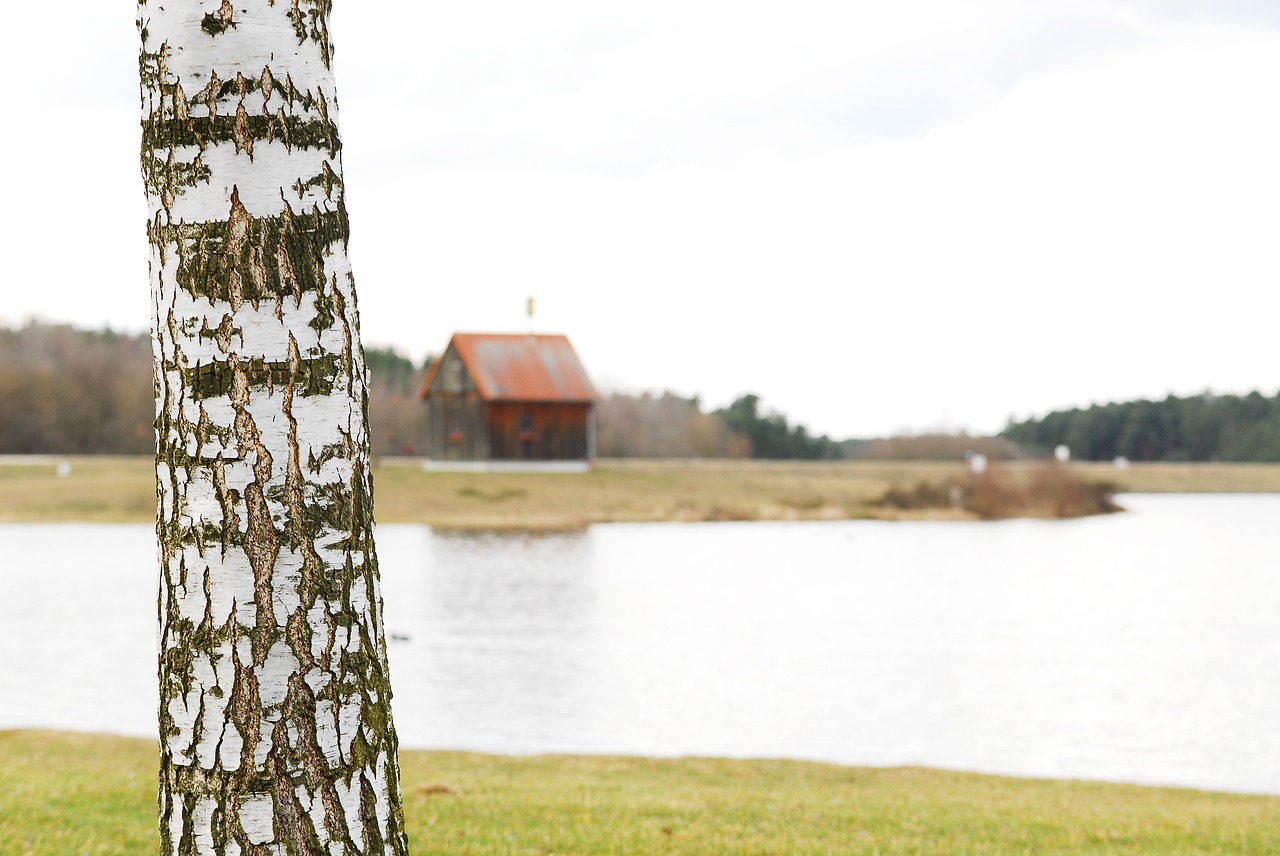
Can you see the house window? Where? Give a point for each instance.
(526, 427)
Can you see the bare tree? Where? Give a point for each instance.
(275, 726)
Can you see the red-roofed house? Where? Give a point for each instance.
(495, 397)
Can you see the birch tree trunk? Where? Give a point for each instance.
(275, 726)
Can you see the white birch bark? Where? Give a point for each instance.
(275, 726)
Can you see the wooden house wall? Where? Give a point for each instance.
(556, 431)
(456, 427)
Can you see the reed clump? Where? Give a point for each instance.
(1047, 490)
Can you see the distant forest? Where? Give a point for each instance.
(65, 391)
(669, 426)
(69, 391)
(1197, 428)
(77, 392)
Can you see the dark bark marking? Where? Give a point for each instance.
(240, 131)
(310, 376)
(301, 534)
(202, 131)
(216, 23)
(245, 706)
(271, 256)
(227, 500)
(261, 543)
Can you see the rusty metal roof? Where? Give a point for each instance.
(518, 367)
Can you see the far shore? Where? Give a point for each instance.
(121, 490)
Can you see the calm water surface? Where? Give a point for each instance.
(1140, 647)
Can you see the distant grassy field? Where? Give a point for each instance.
(121, 490)
(81, 794)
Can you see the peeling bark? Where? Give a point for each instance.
(275, 725)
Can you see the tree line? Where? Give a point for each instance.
(75, 392)
(668, 425)
(69, 391)
(66, 391)
(665, 425)
(771, 436)
(1203, 427)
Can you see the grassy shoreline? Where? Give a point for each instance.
(75, 793)
(121, 490)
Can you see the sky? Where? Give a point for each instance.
(880, 217)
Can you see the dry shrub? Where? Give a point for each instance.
(1048, 490)
(993, 494)
(1063, 493)
(924, 496)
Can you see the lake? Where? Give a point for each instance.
(1140, 647)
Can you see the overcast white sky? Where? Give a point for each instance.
(878, 216)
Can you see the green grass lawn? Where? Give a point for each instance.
(64, 794)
